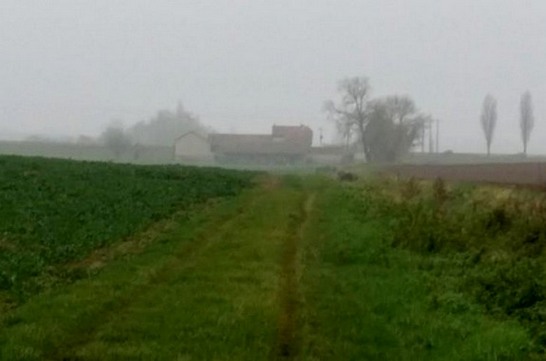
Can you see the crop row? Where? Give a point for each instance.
(55, 211)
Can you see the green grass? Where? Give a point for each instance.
(299, 268)
(490, 240)
(57, 211)
(365, 300)
(207, 291)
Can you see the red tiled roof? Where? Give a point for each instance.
(251, 144)
(284, 140)
(299, 133)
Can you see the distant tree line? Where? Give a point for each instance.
(160, 130)
(386, 128)
(165, 127)
(526, 122)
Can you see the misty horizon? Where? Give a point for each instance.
(71, 67)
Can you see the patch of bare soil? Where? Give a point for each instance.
(521, 174)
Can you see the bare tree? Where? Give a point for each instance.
(390, 134)
(346, 129)
(489, 120)
(400, 107)
(352, 110)
(527, 119)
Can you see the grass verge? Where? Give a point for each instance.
(365, 300)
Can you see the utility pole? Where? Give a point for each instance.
(423, 130)
(430, 140)
(437, 135)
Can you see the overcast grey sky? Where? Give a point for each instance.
(70, 66)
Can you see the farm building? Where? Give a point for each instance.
(193, 147)
(285, 145)
(331, 154)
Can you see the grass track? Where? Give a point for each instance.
(289, 334)
(209, 291)
(364, 300)
(289, 271)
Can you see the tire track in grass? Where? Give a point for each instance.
(185, 254)
(259, 228)
(263, 231)
(289, 337)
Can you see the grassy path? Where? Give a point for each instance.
(289, 271)
(289, 338)
(208, 290)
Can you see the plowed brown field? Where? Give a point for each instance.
(527, 174)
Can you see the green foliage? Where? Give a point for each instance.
(55, 211)
(492, 239)
(366, 300)
(210, 291)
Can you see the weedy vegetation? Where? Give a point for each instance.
(374, 290)
(483, 244)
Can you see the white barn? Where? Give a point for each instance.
(193, 147)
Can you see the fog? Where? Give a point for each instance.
(69, 67)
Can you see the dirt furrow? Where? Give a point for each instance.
(289, 338)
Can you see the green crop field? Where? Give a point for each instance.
(54, 211)
(119, 262)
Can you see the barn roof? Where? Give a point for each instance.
(192, 132)
(300, 132)
(255, 144)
